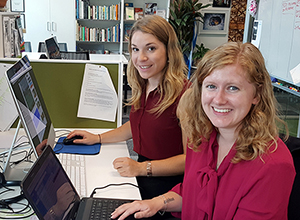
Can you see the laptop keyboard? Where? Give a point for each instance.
(102, 209)
(74, 165)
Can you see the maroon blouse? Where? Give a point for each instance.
(156, 137)
(257, 189)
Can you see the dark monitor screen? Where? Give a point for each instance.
(52, 48)
(30, 104)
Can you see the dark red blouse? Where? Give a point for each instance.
(255, 189)
(155, 137)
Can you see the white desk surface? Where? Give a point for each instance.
(100, 58)
(99, 168)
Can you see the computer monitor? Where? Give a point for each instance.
(52, 48)
(31, 109)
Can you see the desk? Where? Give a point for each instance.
(99, 168)
(105, 58)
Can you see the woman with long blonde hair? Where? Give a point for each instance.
(157, 76)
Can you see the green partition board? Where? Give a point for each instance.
(60, 85)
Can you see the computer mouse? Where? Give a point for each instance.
(69, 141)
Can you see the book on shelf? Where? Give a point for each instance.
(150, 9)
(127, 28)
(129, 11)
(138, 13)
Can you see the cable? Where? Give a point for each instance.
(66, 132)
(6, 189)
(7, 202)
(62, 130)
(24, 211)
(112, 184)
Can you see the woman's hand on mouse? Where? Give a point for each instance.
(87, 137)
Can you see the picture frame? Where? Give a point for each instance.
(17, 6)
(221, 3)
(215, 22)
(22, 16)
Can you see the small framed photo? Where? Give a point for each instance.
(221, 3)
(215, 22)
(17, 6)
(22, 17)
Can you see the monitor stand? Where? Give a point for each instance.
(18, 171)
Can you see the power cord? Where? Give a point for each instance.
(7, 202)
(66, 132)
(24, 211)
(112, 184)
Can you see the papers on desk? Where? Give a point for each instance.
(8, 111)
(98, 98)
(295, 74)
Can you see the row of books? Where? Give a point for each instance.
(96, 34)
(84, 10)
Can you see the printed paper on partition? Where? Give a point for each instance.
(8, 110)
(98, 98)
(295, 74)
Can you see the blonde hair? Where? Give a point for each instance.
(172, 81)
(258, 128)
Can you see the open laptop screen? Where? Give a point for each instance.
(30, 104)
(49, 190)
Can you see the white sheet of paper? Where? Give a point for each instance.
(98, 97)
(8, 110)
(256, 35)
(295, 74)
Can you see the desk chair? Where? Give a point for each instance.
(293, 144)
(27, 46)
(41, 47)
(126, 87)
(63, 47)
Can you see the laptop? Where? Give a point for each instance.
(52, 196)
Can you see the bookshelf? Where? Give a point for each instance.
(101, 25)
(8, 40)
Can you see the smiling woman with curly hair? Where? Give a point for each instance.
(236, 165)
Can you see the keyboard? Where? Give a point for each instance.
(102, 208)
(74, 166)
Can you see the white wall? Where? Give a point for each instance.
(212, 41)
